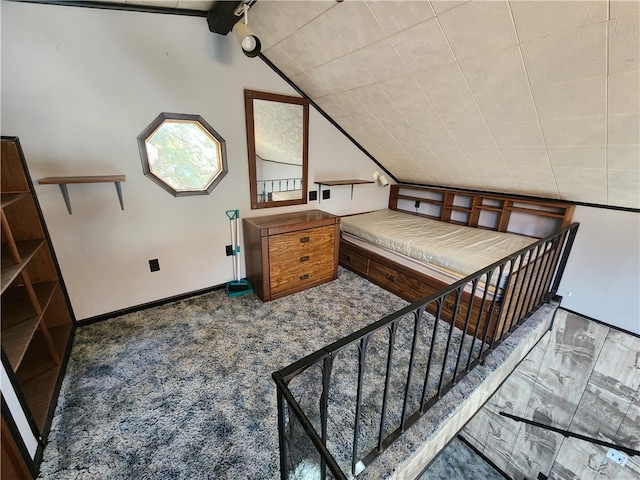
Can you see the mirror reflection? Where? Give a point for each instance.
(277, 137)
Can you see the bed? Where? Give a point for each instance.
(429, 238)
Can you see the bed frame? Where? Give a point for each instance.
(502, 213)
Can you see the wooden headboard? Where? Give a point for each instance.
(502, 213)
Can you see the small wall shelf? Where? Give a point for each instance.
(337, 183)
(63, 181)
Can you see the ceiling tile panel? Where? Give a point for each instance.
(583, 194)
(269, 24)
(501, 70)
(447, 154)
(623, 91)
(567, 56)
(578, 157)
(525, 173)
(398, 15)
(492, 172)
(581, 98)
(278, 56)
(308, 85)
(471, 134)
(437, 135)
(348, 124)
(382, 60)
(331, 108)
(440, 6)
(532, 156)
(628, 198)
(448, 92)
(434, 167)
(584, 177)
(301, 52)
(348, 102)
(323, 39)
(327, 79)
(620, 8)
(461, 169)
(423, 46)
(322, 5)
(574, 131)
(542, 19)
(624, 44)
(350, 71)
(297, 12)
(507, 106)
(548, 190)
(356, 24)
(521, 134)
(624, 179)
(623, 157)
(478, 27)
(624, 129)
(484, 156)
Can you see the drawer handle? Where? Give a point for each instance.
(304, 259)
(391, 278)
(451, 306)
(347, 257)
(304, 277)
(304, 239)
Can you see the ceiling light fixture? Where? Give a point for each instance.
(249, 42)
(381, 179)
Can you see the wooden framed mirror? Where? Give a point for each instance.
(278, 148)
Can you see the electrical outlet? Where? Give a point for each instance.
(417, 205)
(313, 195)
(229, 249)
(617, 457)
(326, 194)
(154, 265)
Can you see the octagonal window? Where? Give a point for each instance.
(183, 154)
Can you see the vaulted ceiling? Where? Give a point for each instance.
(531, 97)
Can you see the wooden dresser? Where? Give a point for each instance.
(291, 252)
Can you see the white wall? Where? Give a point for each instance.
(79, 85)
(602, 278)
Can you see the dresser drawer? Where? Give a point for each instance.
(354, 261)
(402, 285)
(292, 276)
(284, 247)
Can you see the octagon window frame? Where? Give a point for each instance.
(197, 120)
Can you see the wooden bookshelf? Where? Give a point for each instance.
(36, 318)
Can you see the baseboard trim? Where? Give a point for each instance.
(145, 306)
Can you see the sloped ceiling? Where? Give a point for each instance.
(530, 97)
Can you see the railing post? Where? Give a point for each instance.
(282, 440)
(327, 365)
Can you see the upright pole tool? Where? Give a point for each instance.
(238, 286)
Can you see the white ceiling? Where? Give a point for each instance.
(531, 97)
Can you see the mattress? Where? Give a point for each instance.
(453, 249)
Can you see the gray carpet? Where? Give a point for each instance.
(184, 391)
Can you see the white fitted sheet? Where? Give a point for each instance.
(457, 248)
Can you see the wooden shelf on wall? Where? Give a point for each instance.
(338, 183)
(63, 181)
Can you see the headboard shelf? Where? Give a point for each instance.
(502, 213)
